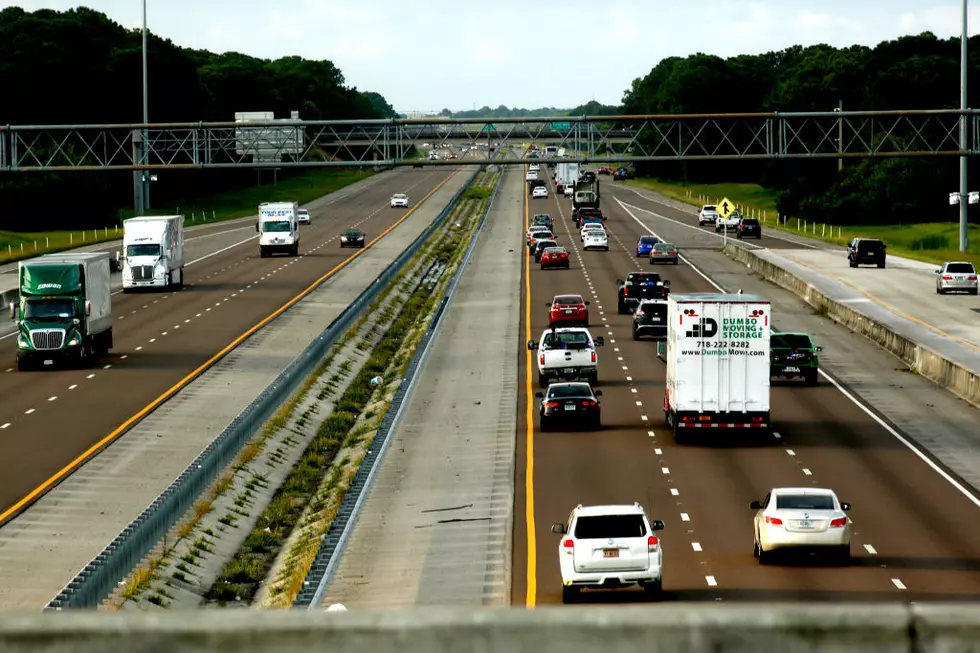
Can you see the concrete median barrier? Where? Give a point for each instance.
(689, 627)
(959, 380)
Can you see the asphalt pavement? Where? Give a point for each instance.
(915, 531)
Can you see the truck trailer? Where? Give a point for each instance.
(64, 313)
(586, 193)
(278, 228)
(717, 363)
(153, 252)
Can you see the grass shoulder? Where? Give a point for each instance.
(302, 188)
(931, 242)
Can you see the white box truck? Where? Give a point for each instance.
(717, 362)
(566, 174)
(153, 252)
(278, 228)
(64, 312)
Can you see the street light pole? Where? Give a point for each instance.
(964, 206)
(145, 174)
(840, 135)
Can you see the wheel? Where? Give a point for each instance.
(596, 424)
(739, 235)
(636, 334)
(755, 549)
(22, 365)
(170, 282)
(542, 380)
(296, 249)
(974, 291)
(675, 261)
(881, 265)
(811, 377)
(654, 589)
(180, 278)
(593, 379)
(544, 425)
(765, 557)
(569, 594)
(759, 237)
(844, 555)
(852, 264)
(938, 291)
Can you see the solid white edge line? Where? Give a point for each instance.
(854, 400)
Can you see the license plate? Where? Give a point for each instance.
(610, 553)
(568, 311)
(806, 523)
(570, 407)
(791, 369)
(569, 370)
(49, 362)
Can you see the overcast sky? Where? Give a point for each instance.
(424, 55)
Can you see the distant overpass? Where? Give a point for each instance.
(604, 139)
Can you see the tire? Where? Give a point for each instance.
(542, 380)
(570, 594)
(765, 557)
(939, 291)
(636, 335)
(974, 291)
(654, 590)
(597, 424)
(593, 379)
(544, 425)
(22, 365)
(811, 377)
(852, 264)
(755, 548)
(881, 266)
(170, 282)
(622, 309)
(180, 274)
(675, 261)
(759, 237)
(844, 556)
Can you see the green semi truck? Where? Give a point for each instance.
(64, 314)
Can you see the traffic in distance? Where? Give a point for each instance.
(64, 310)
(721, 355)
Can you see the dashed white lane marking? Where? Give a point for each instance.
(685, 517)
(644, 418)
(651, 434)
(630, 379)
(675, 492)
(124, 357)
(107, 366)
(139, 348)
(639, 403)
(658, 452)
(28, 411)
(870, 549)
(5, 425)
(90, 376)
(791, 452)
(153, 339)
(52, 398)
(72, 387)
(665, 470)
(807, 472)
(710, 580)
(777, 436)
(164, 333)
(897, 582)
(696, 546)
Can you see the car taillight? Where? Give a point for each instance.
(541, 359)
(589, 403)
(626, 291)
(593, 357)
(775, 521)
(946, 277)
(652, 543)
(671, 253)
(639, 313)
(551, 404)
(569, 545)
(838, 523)
(972, 277)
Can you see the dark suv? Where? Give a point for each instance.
(793, 355)
(650, 319)
(866, 251)
(749, 227)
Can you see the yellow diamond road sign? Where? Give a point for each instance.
(726, 207)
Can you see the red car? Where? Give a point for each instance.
(605, 170)
(568, 310)
(555, 257)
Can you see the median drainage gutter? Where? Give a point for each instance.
(247, 540)
(955, 378)
(119, 564)
(335, 531)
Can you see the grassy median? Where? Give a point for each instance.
(932, 242)
(303, 187)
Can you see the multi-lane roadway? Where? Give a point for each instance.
(50, 418)
(916, 534)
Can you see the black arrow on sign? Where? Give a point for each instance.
(724, 207)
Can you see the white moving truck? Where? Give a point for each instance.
(717, 362)
(278, 228)
(153, 252)
(566, 174)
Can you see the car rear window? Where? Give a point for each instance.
(789, 341)
(640, 279)
(750, 222)
(804, 502)
(606, 526)
(654, 308)
(648, 239)
(960, 268)
(568, 299)
(710, 207)
(544, 234)
(554, 250)
(869, 246)
(542, 245)
(567, 340)
(571, 390)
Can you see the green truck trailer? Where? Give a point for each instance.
(64, 313)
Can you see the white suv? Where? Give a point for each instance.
(708, 215)
(609, 547)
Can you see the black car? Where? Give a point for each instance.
(582, 212)
(352, 238)
(587, 177)
(650, 319)
(748, 227)
(542, 245)
(866, 251)
(534, 183)
(542, 220)
(574, 404)
(639, 286)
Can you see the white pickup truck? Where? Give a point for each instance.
(567, 354)
(728, 224)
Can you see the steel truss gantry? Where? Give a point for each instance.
(599, 139)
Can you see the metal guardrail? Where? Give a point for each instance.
(333, 542)
(100, 577)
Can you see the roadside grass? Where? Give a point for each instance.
(930, 242)
(302, 188)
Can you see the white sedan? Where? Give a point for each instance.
(399, 199)
(539, 191)
(801, 518)
(569, 191)
(595, 239)
(303, 215)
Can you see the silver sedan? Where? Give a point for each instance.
(957, 276)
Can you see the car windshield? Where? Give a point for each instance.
(352, 233)
(804, 502)
(569, 390)
(399, 196)
(602, 527)
(960, 268)
(564, 300)
(304, 212)
(643, 278)
(143, 250)
(790, 341)
(542, 219)
(48, 309)
(566, 340)
(275, 227)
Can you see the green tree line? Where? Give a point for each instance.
(80, 67)
(591, 108)
(912, 72)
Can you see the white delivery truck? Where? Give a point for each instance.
(278, 228)
(566, 174)
(717, 362)
(153, 252)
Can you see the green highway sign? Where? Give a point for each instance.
(488, 128)
(561, 126)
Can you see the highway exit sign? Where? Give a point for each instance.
(561, 126)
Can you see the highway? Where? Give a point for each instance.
(49, 417)
(915, 533)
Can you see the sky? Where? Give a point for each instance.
(426, 55)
